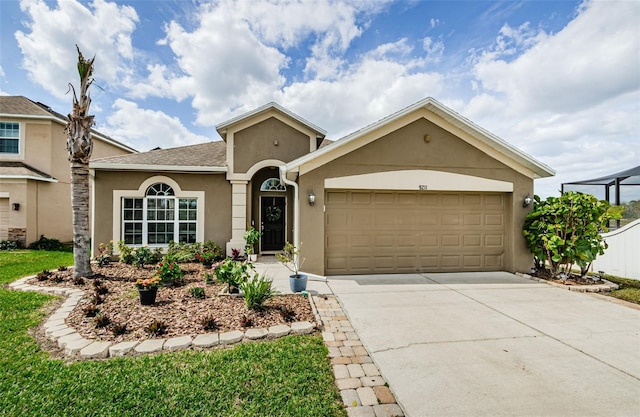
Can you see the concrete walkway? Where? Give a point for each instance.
(494, 344)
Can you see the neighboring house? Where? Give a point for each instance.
(423, 189)
(35, 190)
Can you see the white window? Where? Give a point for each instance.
(272, 184)
(9, 137)
(159, 217)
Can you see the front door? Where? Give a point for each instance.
(272, 218)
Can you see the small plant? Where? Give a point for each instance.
(288, 314)
(90, 310)
(256, 291)
(169, 271)
(57, 278)
(119, 329)
(101, 289)
(102, 320)
(126, 253)
(210, 323)
(246, 321)
(43, 275)
(142, 256)
(252, 237)
(209, 278)
(105, 252)
(197, 292)
(148, 283)
(290, 258)
(62, 268)
(207, 258)
(156, 328)
(233, 273)
(79, 281)
(235, 254)
(97, 299)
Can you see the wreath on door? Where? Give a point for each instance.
(274, 213)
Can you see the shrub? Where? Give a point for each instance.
(43, 275)
(105, 252)
(78, 281)
(210, 323)
(197, 292)
(47, 244)
(156, 328)
(256, 291)
(126, 253)
(288, 314)
(57, 278)
(233, 273)
(183, 252)
(563, 231)
(102, 320)
(10, 244)
(62, 268)
(90, 310)
(246, 321)
(97, 299)
(101, 289)
(142, 256)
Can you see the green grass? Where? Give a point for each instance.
(16, 264)
(629, 288)
(290, 376)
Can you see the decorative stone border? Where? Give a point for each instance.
(364, 391)
(75, 346)
(606, 286)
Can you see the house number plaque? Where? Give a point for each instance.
(422, 187)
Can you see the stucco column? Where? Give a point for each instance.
(238, 215)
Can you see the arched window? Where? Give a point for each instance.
(159, 217)
(273, 184)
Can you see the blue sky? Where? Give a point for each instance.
(558, 79)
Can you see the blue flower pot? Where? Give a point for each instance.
(298, 283)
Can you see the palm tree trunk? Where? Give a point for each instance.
(80, 209)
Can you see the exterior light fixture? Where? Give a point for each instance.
(15, 206)
(527, 201)
(312, 198)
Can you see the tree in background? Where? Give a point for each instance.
(563, 231)
(79, 148)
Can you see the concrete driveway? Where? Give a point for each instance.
(494, 344)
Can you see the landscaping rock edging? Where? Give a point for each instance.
(606, 286)
(75, 346)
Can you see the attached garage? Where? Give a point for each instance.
(4, 218)
(400, 231)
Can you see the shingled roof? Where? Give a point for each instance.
(209, 156)
(20, 170)
(20, 106)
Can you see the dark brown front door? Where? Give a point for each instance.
(272, 216)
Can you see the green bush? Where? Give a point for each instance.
(563, 231)
(143, 256)
(10, 244)
(256, 291)
(233, 273)
(126, 252)
(169, 271)
(183, 252)
(47, 244)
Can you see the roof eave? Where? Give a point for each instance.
(146, 167)
(27, 177)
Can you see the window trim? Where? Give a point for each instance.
(118, 195)
(21, 141)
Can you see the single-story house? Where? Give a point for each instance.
(35, 178)
(423, 189)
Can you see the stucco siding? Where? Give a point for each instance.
(404, 149)
(258, 143)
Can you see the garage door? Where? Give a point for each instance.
(4, 218)
(393, 232)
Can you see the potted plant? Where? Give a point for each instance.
(148, 289)
(252, 237)
(291, 260)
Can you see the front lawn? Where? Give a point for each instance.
(629, 288)
(287, 377)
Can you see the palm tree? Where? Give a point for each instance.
(79, 148)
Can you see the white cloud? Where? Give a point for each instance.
(49, 53)
(146, 129)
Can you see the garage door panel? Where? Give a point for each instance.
(4, 218)
(387, 232)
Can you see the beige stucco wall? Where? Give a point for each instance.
(217, 221)
(404, 149)
(257, 143)
(45, 207)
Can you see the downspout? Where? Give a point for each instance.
(296, 206)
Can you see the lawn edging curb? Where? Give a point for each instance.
(606, 286)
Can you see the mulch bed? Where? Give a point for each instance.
(175, 307)
(572, 279)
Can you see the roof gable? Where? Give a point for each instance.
(437, 113)
(261, 113)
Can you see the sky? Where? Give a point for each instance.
(560, 80)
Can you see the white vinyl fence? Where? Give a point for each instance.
(622, 258)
